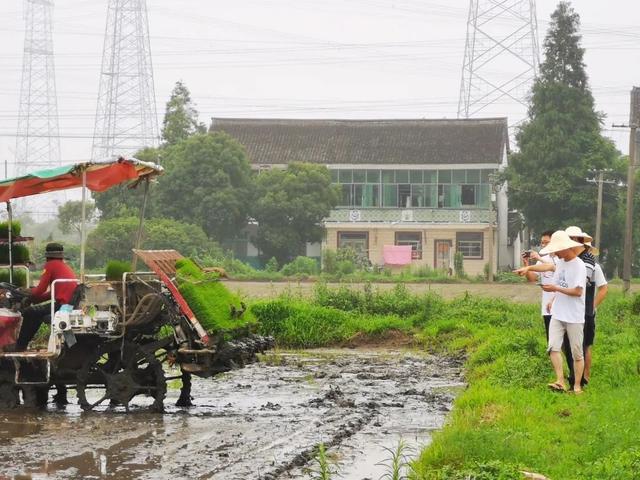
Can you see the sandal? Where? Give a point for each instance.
(556, 387)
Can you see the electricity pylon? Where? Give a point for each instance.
(501, 55)
(126, 117)
(38, 137)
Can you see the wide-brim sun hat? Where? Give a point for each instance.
(559, 241)
(593, 250)
(577, 232)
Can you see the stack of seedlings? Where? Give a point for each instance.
(223, 314)
(19, 254)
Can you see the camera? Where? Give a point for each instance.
(526, 254)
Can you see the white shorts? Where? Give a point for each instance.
(575, 332)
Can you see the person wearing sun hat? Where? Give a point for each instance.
(567, 308)
(54, 268)
(595, 280)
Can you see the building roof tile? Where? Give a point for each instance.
(335, 142)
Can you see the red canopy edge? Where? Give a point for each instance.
(100, 177)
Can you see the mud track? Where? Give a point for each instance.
(261, 422)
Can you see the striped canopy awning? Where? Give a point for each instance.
(100, 176)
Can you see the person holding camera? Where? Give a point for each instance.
(531, 257)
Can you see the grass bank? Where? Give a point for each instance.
(506, 421)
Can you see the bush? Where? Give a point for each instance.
(115, 269)
(329, 261)
(272, 265)
(301, 266)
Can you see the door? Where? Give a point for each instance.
(442, 252)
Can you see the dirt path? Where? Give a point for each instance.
(260, 422)
(516, 292)
(522, 293)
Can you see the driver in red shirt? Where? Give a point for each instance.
(54, 269)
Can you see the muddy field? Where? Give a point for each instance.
(260, 422)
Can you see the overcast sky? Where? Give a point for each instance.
(303, 59)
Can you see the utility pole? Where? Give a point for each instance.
(599, 209)
(600, 181)
(628, 233)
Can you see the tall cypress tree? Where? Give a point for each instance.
(560, 143)
(181, 117)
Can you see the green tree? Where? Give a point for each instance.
(181, 117)
(113, 239)
(208, 183)
(560, 143)
(70, 216)
(290, 207)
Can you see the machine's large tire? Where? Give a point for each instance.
(35, 396)
(9, 393)
(119, 372)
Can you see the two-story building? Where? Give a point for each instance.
(429, 184)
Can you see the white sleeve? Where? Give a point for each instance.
(599, 278)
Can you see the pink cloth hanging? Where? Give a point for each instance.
(397, 254)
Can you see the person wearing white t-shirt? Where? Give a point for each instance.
(541, 278)
(567, 308)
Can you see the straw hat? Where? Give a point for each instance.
(559, 241)
(577, 232)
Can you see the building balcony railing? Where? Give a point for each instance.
(408, 216)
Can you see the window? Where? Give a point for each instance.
(345, 200)
(334, 176)
(402, 176)
(370, 195)
(415, 176)
(358, 241)
(359, 176)
(373, 176)
(459, 176)
(444, 176)
(344, 176)
(468, 195)
(473, 176)
(430, 176)
(388, 176)
(470, 244)
(404, 196)
(390, 195)
(413, 239)
(449, 196)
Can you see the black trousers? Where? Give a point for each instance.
(32, 318)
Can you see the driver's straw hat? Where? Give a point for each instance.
(559, 241)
